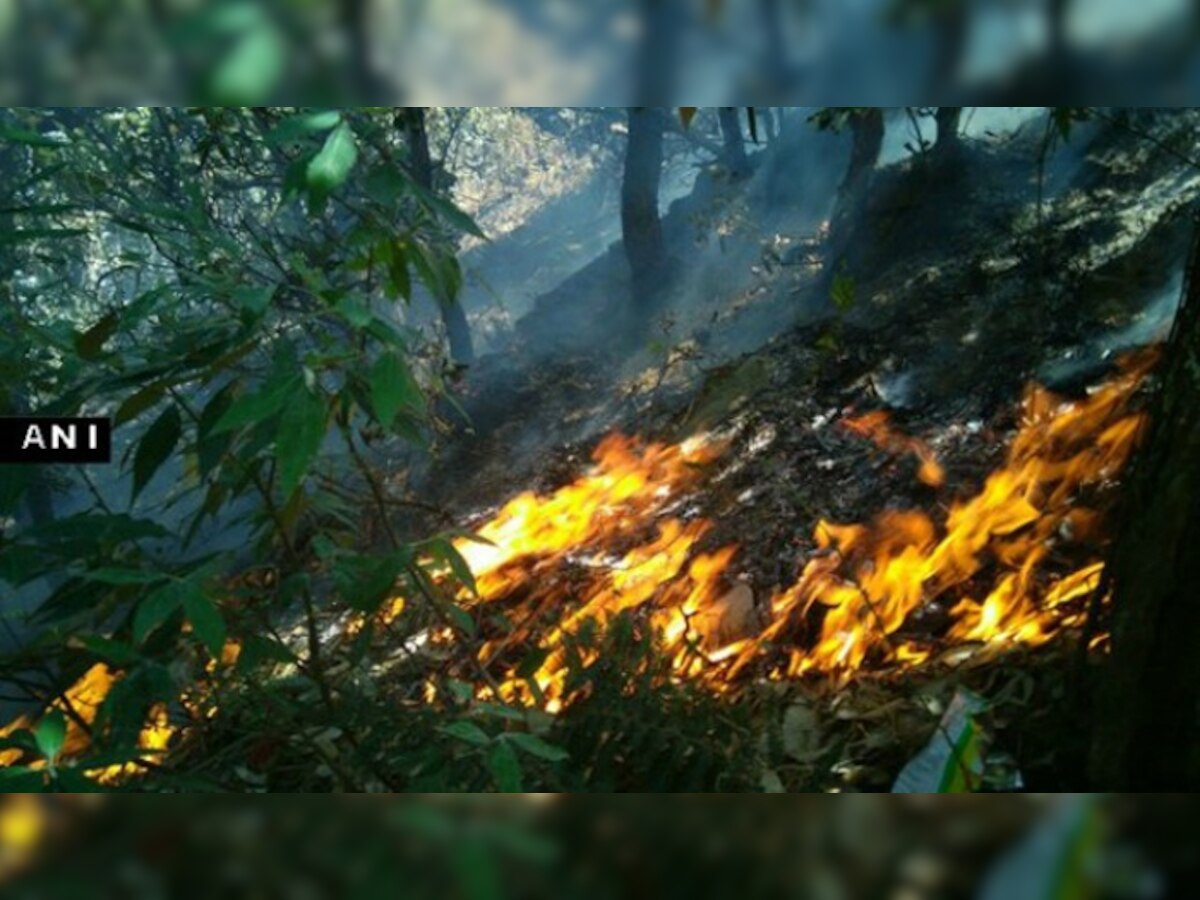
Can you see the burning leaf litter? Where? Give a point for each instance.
(614, 541)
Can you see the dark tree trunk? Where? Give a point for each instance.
(657, 55)
(419, 161)
(454, 318)
(368, 87)
(1147, 727)
(867, 140)
(952, 30)
(948, 119)
(735, 146)
(641, 230)
(867, 130)
(770, 15)
(1056, 25)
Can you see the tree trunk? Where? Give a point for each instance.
(770, 16)
(948, 139)
(454, 318)
(867, 132)
(641, 230)
(735, 147)
(367, 85)
(419, 162)
(1146, 734)
(1056, 25)
(951, 29)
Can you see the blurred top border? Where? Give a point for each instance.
(602, 52)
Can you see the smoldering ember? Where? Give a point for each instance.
(599, 449)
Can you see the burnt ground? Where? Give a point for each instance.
(963, 290)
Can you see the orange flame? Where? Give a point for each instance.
(877, 427)
(554, 565)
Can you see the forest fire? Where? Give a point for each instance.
(991, 564)
(618, 539)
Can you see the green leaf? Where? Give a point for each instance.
(303, 124)
(462, 619)
(51, 733)
(115, 652)
(444, 551)
(298, 441)
(29, 138)
(467, 732)
(268, 400)
(399, 283)
(393, 388)
(155, 446)
(502, 762)
(535, 746)
(90, 343)
(354, 310)
(365, 581)
(155, 609)
(116, 575)
(257, 649)
(209, 446)
(842, 291)
(207, 623)
(138, 403)
(254, 300)
(332, 165)
(251, 70)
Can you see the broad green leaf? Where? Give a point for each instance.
(354, 310)
(138, 403)
(505, 768)
(468, 732)
(89, 344)
(303, 124)
(535, 746)
(265, 402)
(29, 138)
(301, 430)
(155, 609)
(257, 649)
(444, 551)
(365, 581)
(393, 388)
(209, 446)
(462, 619)
(842, 291)
(447, 210)
(51, 733)
(251, 70)
(116, 575)
(254, 300)
(207, 623)
(155, 446)
(116, 652)
(399, 283)
(332, 165)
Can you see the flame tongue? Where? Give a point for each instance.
(852, 598)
